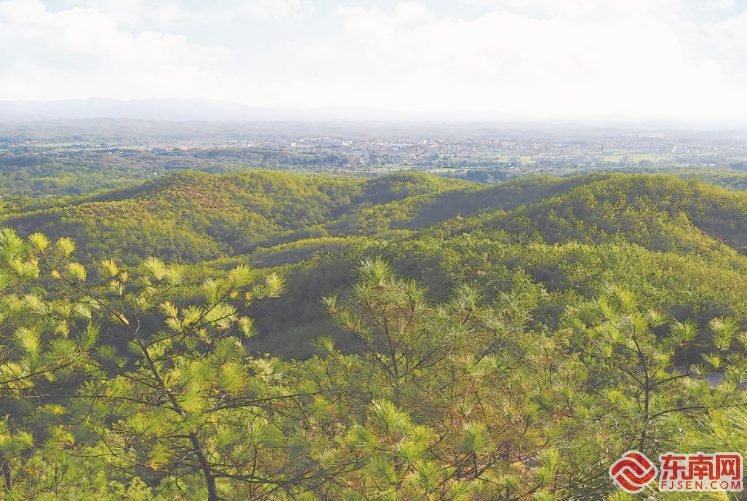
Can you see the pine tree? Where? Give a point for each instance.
(42, 342)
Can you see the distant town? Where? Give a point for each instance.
(368, 149)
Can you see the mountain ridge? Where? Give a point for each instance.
(231, 214)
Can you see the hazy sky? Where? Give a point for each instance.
(662, 59)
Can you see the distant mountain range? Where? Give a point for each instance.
(181, 110)
(197, 110)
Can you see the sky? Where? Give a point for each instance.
(497, 59)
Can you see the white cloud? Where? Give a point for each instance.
(159, 14)
(268, 8)
(730, 34)
(584, 61)
(534, 58)
(717, 5)
(582, 9)
(81, 52)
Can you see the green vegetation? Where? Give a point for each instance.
(46, 172)
(267, 336)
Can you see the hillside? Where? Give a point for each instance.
(313, 327)
(679, 244)
(202, 216)
(548, 241)
(193, 216)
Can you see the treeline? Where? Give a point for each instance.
(56, 173)
(47, 172)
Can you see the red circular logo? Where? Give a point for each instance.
(633, 471)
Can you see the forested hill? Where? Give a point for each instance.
(191, 217)
(545, 242)
(345, 338)
(548, 241)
